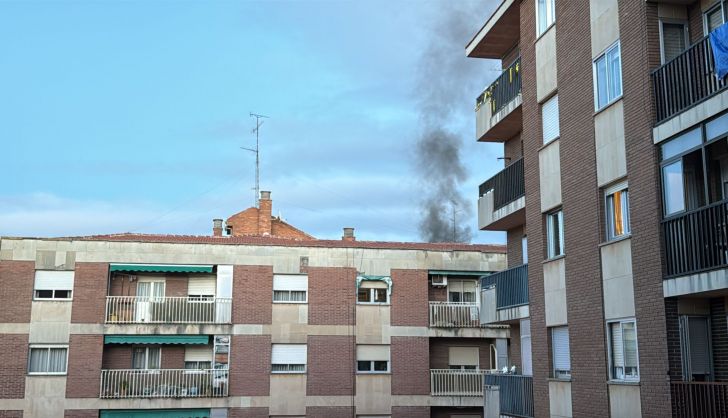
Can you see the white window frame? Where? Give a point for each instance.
(551, 253)
(197, 365)
(686, 34)
(556, 373)
(53, 291)
(371, 367)
(277, 292)
(451, 290)
(709, 11)
(550, 101)
(550, 17)
(609, 215)
(48, 347)
(609, 350)
(372, 292)
(288, 368)
(608, 80)
(146, 356)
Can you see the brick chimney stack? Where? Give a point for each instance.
(217, 227)
(265, 206)
(348, 234)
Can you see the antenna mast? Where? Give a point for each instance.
(256, 150)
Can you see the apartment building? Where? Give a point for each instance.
(240, 325)
(615, 191)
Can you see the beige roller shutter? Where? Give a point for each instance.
(373, 284)
(198, 353)
(204, 285)
(372, 352)
(464, 356)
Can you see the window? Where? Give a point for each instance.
(198, 365)
(53, 285)
(198, 357)
(288, 358)
(623, 350)
(290, 288)
(463, 358)
(372, 359)
(608, 77)
(550, 119)
(462, 291)
(560, 350)
(674, 39)
(546, 15)
(524, 249)
(713, 18)
(373, 291)
(617, 211)
(48, 359)
(201, 289)
(555, 234)
(146, 358)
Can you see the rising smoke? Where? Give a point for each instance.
(444, 88)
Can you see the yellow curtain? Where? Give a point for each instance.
(618, 224)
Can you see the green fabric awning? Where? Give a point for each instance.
(460, 273)
(157, 339)
(158, 413)
(161, 268)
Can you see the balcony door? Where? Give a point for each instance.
(695, 347)
(462, 291)
(148, 292)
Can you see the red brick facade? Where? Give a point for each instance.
(250, 365)
(331, 295)
(329, 411)
(16, 292)
(89, 293)
(410, 305)
(85, 353)
(410, 411)
(253, 294)
(248, 413)
(330, 365)
(14, 358)
(410, 365)
(81, 413)
(440, 351)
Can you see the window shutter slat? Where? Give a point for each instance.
(372, 352)
(617, 345)
(562, 357)
(288, 354)
(201, 286)
(464, 356)
(53, 280)
(198, 353)
(297, 282)
(550, 119)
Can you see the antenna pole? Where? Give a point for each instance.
(256, 150)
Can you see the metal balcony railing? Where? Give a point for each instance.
(163, 383)
(454, 315)
(511, 286)
(167, 310)
(685, 80)
(697, 240)
(507, 186)
(447, 382)
(504, 89)
(699, 399)
(516, 393)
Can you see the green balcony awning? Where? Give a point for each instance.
(157, 339)
(161, 268)
(158, 413)
(459, 273)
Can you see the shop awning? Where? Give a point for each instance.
(459, 273)
(161, 268)
(159, 413)
(156, 339)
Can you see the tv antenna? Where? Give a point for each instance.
(256, 150)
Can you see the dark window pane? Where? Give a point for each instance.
(44, 294)
(364, 366)
(63, 294)
(380, 366)
(380, 295)
(364, 295)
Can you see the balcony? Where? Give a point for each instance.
(515, 393)
(163, 383)
(499, 34)
(454, 315)
(498, 114)
(167, 310)
(449, 382)
(699, 399)
(696, 241)
(502, 199)
(684, 81)
(504, 296)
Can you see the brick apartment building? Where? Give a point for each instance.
(615, 191)
(248, 323)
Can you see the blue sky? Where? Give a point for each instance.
(128, 115)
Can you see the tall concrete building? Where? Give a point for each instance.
(615, 203)
(245, 324)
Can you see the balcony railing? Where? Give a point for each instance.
(516, 393)
(685, 80)
(507, 186)
(511, 286)
(699, 399)
(447, 382)
(167, 310)
(696, 241)
(504, 89)
(454, 315)
(163, 383)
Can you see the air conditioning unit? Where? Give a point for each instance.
(439, 280)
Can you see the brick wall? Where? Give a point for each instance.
(329, 411)
(410, 306)
(510, 56)
(81, 413)
(250, 365)
(89, 293)
(331, 295)
(695, 22)
(639, 36)
(173, 356)
(85, 353)
(410, 411)
(672, 325)
(121, 286)
(514, 347)
(410, 365)
(514, 245)
(513, 149)
(253, 294)
(14, 358)
(175, 285)
(440, 351)
(248, 412)
(11, 414)
(116, 356)
(436, 294)
(330, 365)
(16, 292)
(719, 339)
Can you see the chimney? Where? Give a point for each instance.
(348, 234)
(265, 206)
(217, 227)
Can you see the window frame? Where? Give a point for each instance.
(48, 347)
(550, 10)
(53, 297)
(372, 293)
(286, 368)
(609, 350)
(686, 35)
(608, 75)
(290, 291)
(550, 250)
(371, 367)
(451, 290)
(609, 217)
(146, 357)
(558, 122)
(709, 11)
(554, 370)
